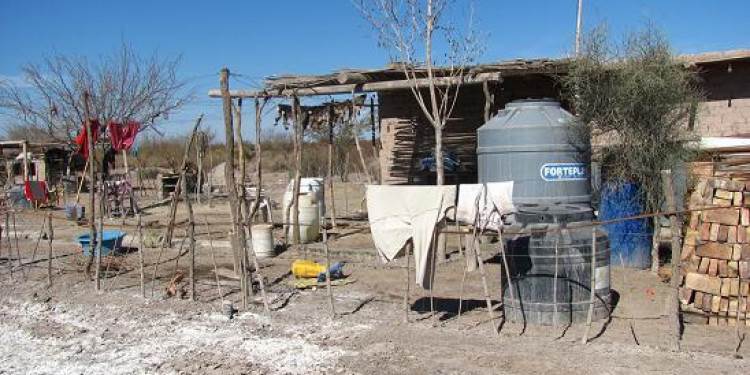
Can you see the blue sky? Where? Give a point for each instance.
(261, 38)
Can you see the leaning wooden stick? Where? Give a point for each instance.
(554, 283)
(100, 235)
(213, 257)
(50, 236)
(406, 289)
(191, 221)
(18, 249)
(141, 249)
(592, 288)
(486, 289)
(328, 267)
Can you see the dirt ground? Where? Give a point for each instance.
(69, 328)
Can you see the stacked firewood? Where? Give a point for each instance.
(716, 252)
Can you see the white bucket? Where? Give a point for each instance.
(309, 219)
(263, 240)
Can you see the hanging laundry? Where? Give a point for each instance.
(82, 139)
(483, 206)
(122, 136)
(400, 213)
(490, 201)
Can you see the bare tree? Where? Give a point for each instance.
(416, 32)
(122, 86)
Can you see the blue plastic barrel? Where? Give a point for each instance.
(111, 241)
(629, 241)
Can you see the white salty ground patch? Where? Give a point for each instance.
(59, 338)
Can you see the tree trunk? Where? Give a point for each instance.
(439, 155)
(92, 184)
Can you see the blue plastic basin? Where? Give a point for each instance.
(111, 241)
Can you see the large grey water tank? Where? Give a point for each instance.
(530, 142)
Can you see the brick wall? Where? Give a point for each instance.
(726, 111)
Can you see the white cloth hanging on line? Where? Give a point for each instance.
(491, 201)
(400, 213)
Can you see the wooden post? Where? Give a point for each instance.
(501, 246)
(592, 287)
(237, 234)
(329, 122)
(655, 237)
(92, 184)
(298, 127)
(10, 251)
(50, 237)
(125, 161)
(489, 100)
(407, 249)
(191, 223)
(352, 123)
(374, 139)
(243, 209)
(673, 302)
(258, 165)
(141, 249)
(210, 177)
(200, 150)
(100, 239)
(25, 150)
(328, 266)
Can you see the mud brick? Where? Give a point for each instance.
(744, 269)
(695, 220)
(687, 252)
(703, 283)
(707, 299)
(741, 238)
(737, 251)
(703, 266)
(721, 202)
(737, 199)
(686, 295)
(732, 234)
(734, 287)
(715, 250)
(713, 267)
(723, 233)
(724, 305)
(732, 321)
(733, 305)
(723, 268)
(715, 304)
(733, 269)
(694, 263)
(698, 300)
(700, 186)
(723, 194)
(692, 237)
(747, 234)
(745, 215)
(733, 185)
(706, 231)
(713, 234)
(713, 321)
(708, 191)
(747, 185)
(745, 252)
(726, 216)
(725, 286)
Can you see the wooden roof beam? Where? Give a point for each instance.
(364, 87)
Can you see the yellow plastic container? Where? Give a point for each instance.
(306, 269)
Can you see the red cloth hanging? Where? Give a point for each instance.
(82, 139)
(122, 136)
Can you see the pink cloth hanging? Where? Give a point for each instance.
(122, 136)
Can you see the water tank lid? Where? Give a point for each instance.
(543, 102)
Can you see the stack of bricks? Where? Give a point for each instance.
(716, 251)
